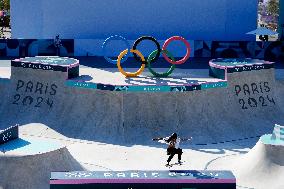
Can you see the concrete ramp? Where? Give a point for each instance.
(261, 167)
(247, 105)
(26, 162)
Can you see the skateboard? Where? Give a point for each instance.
(172, 164)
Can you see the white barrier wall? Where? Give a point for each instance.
(97, 19)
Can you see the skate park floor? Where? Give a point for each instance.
(96, 156)
(110, 157)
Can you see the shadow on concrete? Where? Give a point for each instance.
(13, 145)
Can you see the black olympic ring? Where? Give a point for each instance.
(147, 38)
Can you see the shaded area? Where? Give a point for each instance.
(14, 145)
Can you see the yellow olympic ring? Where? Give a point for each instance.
(131, 74)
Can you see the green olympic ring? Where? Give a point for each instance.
(152, 57)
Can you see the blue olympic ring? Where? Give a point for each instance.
(107, 41)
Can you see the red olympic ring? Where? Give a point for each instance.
(175, 38)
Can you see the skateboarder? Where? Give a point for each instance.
(57, 43)
(173, 146)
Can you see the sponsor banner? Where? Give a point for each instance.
(4, 80)
(250, 68)
(173, 179)
(38, 66)
(214, 85)
(143, 88)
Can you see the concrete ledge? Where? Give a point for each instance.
(28, 162)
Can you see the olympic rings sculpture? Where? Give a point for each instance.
(107, 41)
(122, 57)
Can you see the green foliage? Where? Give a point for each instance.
(273, 7)
(5, 5)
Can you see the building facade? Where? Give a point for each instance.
(227, 20)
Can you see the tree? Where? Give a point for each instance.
(5, 5)
(273, 7)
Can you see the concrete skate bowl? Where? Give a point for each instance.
(261, 168)
(27, 162)
(249, 106)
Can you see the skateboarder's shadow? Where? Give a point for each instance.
(218, 151)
